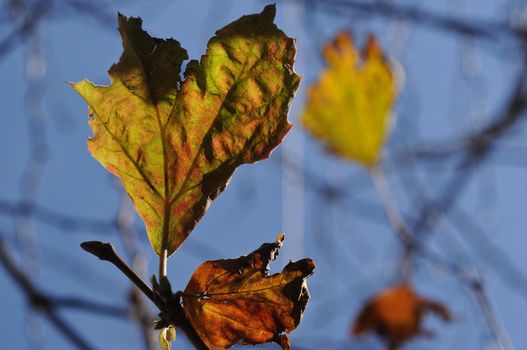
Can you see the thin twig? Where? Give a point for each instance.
(412, 245)
(106, 251)
(23, 31)
(54, 218)
(67, 331)
(490, 253)
(40, 301)
(92, 307)
(471, 27)
(394, 217)
(502, 338)
(172, 312)
(478, 148)
(138, 263)
(390, 206)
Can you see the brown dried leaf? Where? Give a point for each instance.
(396, 313)
(233, 301)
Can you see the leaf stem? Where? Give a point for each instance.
(163, 264)
(394, 217)
(163, 254)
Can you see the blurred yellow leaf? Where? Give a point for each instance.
(349, 108)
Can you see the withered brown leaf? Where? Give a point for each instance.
(233, 301)
(396, 314)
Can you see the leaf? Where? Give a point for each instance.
(175, 144)
(349, 108)
(396, 314)
(235, 300)
(166, 336)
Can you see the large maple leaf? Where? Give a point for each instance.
(349, 108)
(235, 300)
(175, 144)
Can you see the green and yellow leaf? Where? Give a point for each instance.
(175, 144)
(349, 108)
(235, 300)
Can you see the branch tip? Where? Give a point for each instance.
(104, 251)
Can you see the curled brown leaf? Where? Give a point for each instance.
(233, 301)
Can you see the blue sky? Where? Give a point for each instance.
(451, 85)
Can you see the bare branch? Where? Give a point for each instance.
(55, 219)
(169, 304)
(40, 301)
(24, 30)
(463, 26)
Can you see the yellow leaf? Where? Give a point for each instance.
(349, 108)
